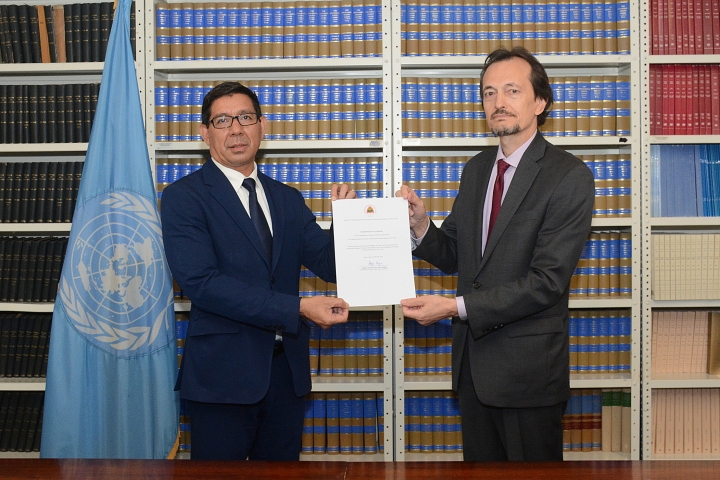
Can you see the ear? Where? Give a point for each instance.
(539, 105)
(204, 133)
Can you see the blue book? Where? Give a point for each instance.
(370, 422)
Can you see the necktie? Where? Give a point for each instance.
(497, 193)
(257, 217)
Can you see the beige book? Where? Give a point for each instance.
(439, 420)
(323, 30)
(659, 401)
(626, 415)
(623, 123)
(565, 27)
(424, 47)
(685, 341)
(58, 13)
(345, 28)
(612, 185)
(606, 419)
(715, 421)
(426, 420)
(705, 394)
(616, 412)
(221, 44)
(697, 428)
(596, 424)
(688, 420)
(713, 342)
(670, 420)
(679, 419)
(233, 32)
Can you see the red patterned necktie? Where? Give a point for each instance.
(502, 166)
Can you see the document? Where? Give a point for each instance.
(372, 251)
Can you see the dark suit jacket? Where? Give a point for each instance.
(516, 294)
(239, 300)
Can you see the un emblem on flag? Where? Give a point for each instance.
(116, 288)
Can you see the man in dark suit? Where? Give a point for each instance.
(510, 362)
(235, 241)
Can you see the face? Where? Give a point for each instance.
(509, 98)
(234, 147)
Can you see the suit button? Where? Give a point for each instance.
(476, 284)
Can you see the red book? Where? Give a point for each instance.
(715, 5)
(695, 72)
(663, 23)
(697, 20)
(654, 29)
(672, 39)
(707, 29)
(685, 27)
(705, 113)
(680, 103)
(679, 45)
(715, 100)
(652, 93)
(668, 103)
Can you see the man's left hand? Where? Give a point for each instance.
(341, 192)
(429, 309)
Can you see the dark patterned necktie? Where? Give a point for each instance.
(258, 217)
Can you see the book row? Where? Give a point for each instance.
(681, 341)
(352, 349)
(685, 266)
(24, 340)
(473, 27)
(432, 422)
(344, 423)
(686, 421)
(613, 193)
(30, 268)
(685, 180)
(605, 266)
(430, 280)
(47, 113)
(38, 192)
(289, 29)
(441, 107)
(312, 177)
(428, 349)
(57, 33)
(315, 109)
(597, 420)
(684, 99)
(684, 27)
(21, 416)
(600, 341)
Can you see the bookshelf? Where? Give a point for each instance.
(448, 141)
(312, 140)
(678, 402)
(45, 145)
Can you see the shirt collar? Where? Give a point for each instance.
(514, 159)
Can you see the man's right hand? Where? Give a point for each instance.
(324, 311)
(416, 209)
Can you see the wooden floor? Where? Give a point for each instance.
(188, 469)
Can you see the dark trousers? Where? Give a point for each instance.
(501, 434)
(268, 430)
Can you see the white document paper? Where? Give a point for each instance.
(372, 251)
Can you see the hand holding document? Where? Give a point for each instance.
(372, 251)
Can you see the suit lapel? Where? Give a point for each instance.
(221, 189)
(521, 182)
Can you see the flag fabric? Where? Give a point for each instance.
(113, 360)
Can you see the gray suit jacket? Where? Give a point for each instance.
(516, 294)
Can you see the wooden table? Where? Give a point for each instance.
(190, 470)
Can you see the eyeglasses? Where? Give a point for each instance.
(226, 121)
